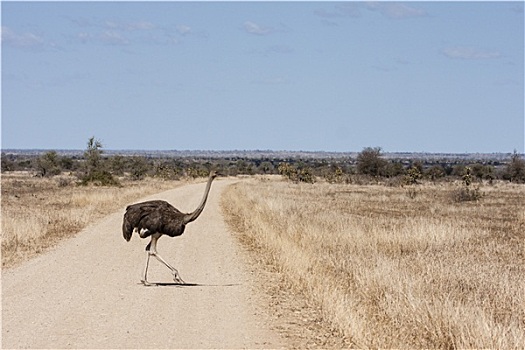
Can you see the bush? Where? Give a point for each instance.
(369, 162)
(466, 194)
(296, 175)
(515, 171)
(435, 172)
(48, 164)
(335, 175)
(166, 171)
(139, 168)
(94, 169)
(99, 178)
(413, 174)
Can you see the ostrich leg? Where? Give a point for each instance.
(144, 279)
(153, 252)
(176, 276)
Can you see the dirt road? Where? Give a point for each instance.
(86, 292)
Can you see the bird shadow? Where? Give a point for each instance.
(175, 284)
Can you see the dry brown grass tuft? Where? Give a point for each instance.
(390, 268)
(38, 212)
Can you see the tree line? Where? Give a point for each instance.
(95, 167)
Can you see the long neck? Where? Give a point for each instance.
(194, 215)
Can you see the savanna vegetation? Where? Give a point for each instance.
(392, 252)
(394, 267)
(369, 166)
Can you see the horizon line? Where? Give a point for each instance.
(251, 151)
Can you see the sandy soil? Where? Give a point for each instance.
(86, 292)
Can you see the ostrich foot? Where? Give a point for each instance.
(146, 283)
(178, 279)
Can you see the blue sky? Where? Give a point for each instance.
(313, 76)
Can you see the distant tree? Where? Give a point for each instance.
(266, 167)
(95, 173)
(117, 164)
(482, 171)
(435, 172)
(515, 170)
(48, 164)
(369, 162)
(458, 170)
(139, 168)
(93, 154)
(7, 164)
(393, 169)
(66, 163)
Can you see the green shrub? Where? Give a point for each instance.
(94, 172)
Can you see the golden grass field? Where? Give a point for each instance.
(394, 267)
(38, 212)
(387, 267)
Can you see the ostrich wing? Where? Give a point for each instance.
(154, 216)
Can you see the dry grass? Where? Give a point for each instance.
(393, 268)
(37, 213)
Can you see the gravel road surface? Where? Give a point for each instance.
(86, 293)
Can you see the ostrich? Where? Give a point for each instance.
(156, 218)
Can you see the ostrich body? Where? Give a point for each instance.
(157, 218)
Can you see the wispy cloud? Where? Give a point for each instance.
(106, 37)
(183, 29)
(257, 29)
(396, 10)
(470, 53)
(391, 10)
(112, 37)
(122, 33)
(25, 40)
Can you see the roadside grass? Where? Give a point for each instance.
(39, 212)
(394, 267)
